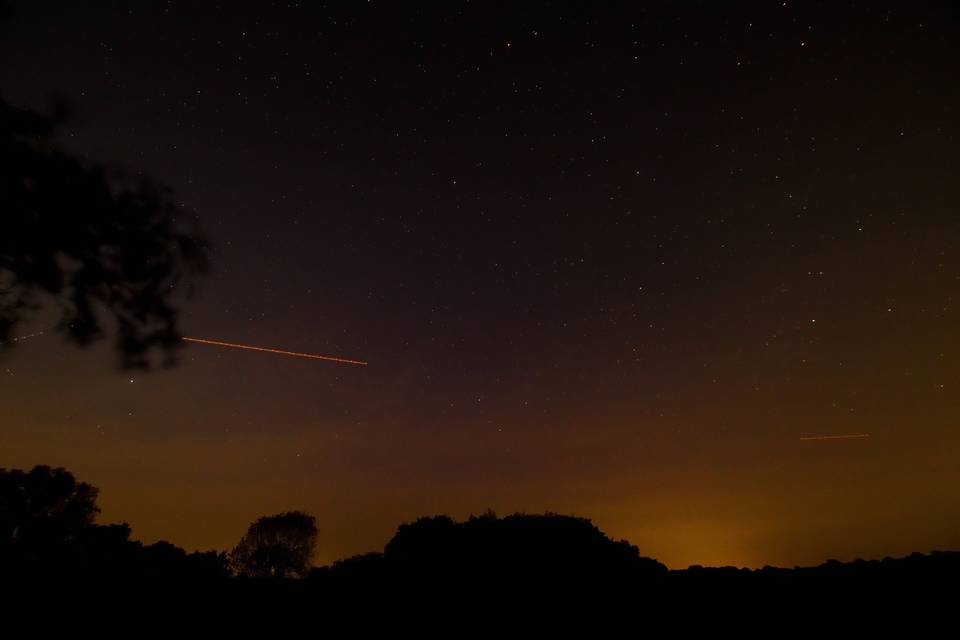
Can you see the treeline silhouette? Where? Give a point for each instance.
(48, 532)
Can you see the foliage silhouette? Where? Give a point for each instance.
(278, 546)
(44, 506)
(520, 550)
(98, 243)
(47, 530)
(48, 534)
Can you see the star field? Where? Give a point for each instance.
(613, 260)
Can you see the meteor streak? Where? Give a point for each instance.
(22, 338)
(840, 437)
(295, 354)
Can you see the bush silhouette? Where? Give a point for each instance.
(278, 546)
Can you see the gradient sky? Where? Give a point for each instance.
(610, 260)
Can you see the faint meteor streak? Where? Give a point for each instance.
(849, 436)
(295, 354)
(22, 338)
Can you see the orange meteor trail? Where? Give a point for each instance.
(842, 437)
(296, 354)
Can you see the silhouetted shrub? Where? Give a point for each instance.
(278, 546)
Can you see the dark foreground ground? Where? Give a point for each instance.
(913, 597)
(428, 591)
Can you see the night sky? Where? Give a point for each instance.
(609, 260)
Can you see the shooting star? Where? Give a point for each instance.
(22, 338)
(296, 354)
(849, 436)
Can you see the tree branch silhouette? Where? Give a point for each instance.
(105, 247)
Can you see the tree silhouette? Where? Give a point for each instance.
(100, 244)
(278, 546)
(545, 549)
(44, 507)
(48, 536)
(47, 531)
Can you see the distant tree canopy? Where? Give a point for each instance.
(48, 535)
(98, 243)
(44, 506)
(525, 546)
(278, 546)
(47, 530)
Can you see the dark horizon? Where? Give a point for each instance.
(641, 263)
(36, 503)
